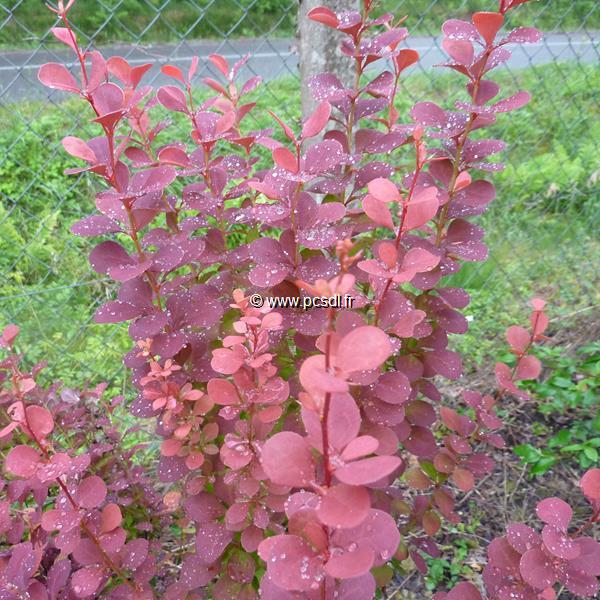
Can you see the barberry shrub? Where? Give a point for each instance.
(302, 453)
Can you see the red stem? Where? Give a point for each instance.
(418, 169)
(327, 402)
(109, 563)
(459, 150)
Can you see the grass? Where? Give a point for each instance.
(540, 231)
(148, 20)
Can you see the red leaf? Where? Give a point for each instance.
(538, 304)
(406, 58)
(539, 322)
(62, 35)
(560, 544)
(174, 156)
(344, 421)
(220, 62)
(459, 50)
(359, 447)
(137, 73)
(6, 430)
(488, 25)
(378, 212)
(323, 156)
(270, 414)
(286, 129)
(524, 35)
(420, 209)
(431, 523)
(580, 584)
(135, 553)
(116, 311)
(79, 149)
(219, 538)
(226, 122)
(127, 271)
(462, 181)
(22, 461)
(108, 100)
(463, 479)
(39, 421)
(215, 85)
(428, 113)
(56, 76)
(222, 392)
(405, 327)
(172, 98)
(505, 381)
(287, 460)
(383, 190)
(119, 68)
(85, 582)
(91, 492)
(457, 29)
(350, 564)
(317, 121)
(111, 517)
(588, 561)
(171, 447)
(108, 254)
(417, 260)
(225, 361)
(344, 506)
(324, 15)
(203, 508)
(419, 412)
(555, 512)
(515, 102)
(590, 484)
(536, 569)
(420, 441)
(529, 367)
(9, 334)
(313, 376)
(458, 423)
(518, 338)
(521, 537)
(416, 479)
(173, 71)
(291, 562)
(285, 159)
(368, 470)
(464, 591)
(363, 349)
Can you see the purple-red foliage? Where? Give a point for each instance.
(300, 451)
(71, 486)
(524, 564)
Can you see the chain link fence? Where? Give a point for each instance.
(541, 232)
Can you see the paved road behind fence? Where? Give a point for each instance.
(270, 59)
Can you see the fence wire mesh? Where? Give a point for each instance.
(541, 232)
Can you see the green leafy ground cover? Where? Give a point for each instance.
(160, 21)
(568, 429)
(540, 231)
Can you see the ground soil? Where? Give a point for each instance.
(509, 494)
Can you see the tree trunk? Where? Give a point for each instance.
(319, 48)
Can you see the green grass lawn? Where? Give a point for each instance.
(157, 21)
(540, 229)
